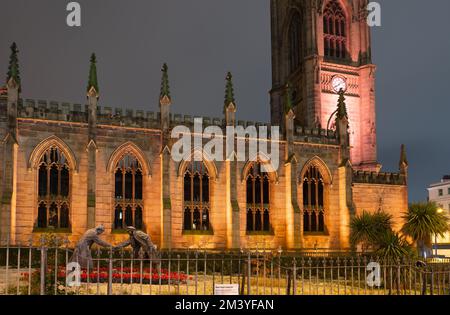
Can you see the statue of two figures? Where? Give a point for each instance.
(140, 242)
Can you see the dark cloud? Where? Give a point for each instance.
(203, 39)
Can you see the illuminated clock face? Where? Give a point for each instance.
(339, 83)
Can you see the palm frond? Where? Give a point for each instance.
(367, 227)
(393, 247)
(423, 220)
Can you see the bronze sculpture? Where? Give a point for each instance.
(82, 253)
(137, 240)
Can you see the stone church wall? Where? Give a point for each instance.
(392, 199)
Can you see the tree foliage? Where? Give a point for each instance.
(367, 228)
(393, 247)
(423, 220)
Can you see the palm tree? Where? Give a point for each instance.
(422, 221)
(393, 248)
(366, 228)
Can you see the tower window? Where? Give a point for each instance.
(128, 196)
(196, 198)
(53, 190)
(334, 29)
(258, 199)
(295, 43)
(313, 201)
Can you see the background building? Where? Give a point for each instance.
(440, 193)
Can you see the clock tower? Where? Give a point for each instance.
(318, 48)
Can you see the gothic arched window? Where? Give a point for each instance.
(128, 195)
(295, 42)
(258, 209)
(196, 198)
(334, 30)
(53, 190)
(313, 201)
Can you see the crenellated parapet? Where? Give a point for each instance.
(51, 110)
(315, 135)
(364, 177)
(67, 112)
(188, 121)
(128, 118)
(123, 117)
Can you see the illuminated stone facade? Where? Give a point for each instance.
(333, 40)
(68, 167)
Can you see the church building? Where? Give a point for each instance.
(65, 168)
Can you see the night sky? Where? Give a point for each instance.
(203, 39)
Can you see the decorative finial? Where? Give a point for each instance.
(289, 105)
(229, 90)
(403, 158)
(164, 97)
(93, 83)
(13, 68)
(342, 108)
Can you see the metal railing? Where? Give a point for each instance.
(27, 269)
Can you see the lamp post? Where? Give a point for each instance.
(439, 210)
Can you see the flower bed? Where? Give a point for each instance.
(128, 275)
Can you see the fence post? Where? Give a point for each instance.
(43, 265)
(178, 274)
(7, 266)
(288, 281)
(66, 244)
(30, 248)
(423, 279)
(204, 272)
(241, 270)
(279, 269)
(295, 278)
(56, 266)
(249, 271)
(18, 270)
(399, 270)
(196, 272)
(169, 270)
(432, 281)
(110, 276)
